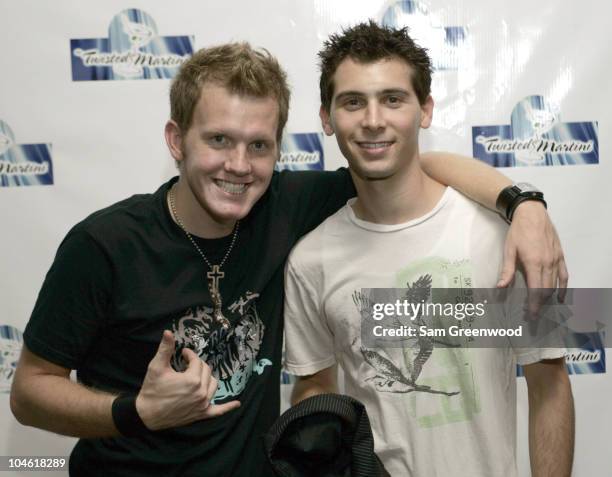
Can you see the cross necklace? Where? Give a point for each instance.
(215, 274)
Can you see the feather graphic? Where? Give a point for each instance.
(425, 350)
(420, 290)
(390, 378)
(363, 304)
(383, 366)
(417, 356)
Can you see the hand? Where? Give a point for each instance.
(533, 239)
(169, 398)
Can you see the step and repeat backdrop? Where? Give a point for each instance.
(523, 86)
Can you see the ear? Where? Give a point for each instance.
(326, 121)
(427, 112)
(174, 140)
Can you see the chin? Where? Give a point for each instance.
(372, 174)
(234, 212)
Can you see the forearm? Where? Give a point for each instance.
(471, 177)
(43, 396)
(57, 404)
(323, 382)
(551, 429)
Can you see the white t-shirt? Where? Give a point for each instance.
(461, 420)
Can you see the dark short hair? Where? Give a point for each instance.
(238, 67)
(368, 42)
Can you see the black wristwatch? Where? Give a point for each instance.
(510, 197)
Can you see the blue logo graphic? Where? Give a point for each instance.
(445, 43)
(536, 137)
(133, 50)
(301, 152)
(23, 164)
(11, 342)
(586, 353)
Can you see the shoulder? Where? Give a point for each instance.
(481, 219)
(309, 250)
(140, 213)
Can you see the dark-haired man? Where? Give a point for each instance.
(197, 265)
(443, 411)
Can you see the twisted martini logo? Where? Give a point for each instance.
(301, 152)
(536, 137)
(23, 164)
(133, 50)
(446, 44)
(586, 353)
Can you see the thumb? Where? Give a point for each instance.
(190, 357)
(508, 268)
(166, 348)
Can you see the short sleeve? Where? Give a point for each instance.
(72, 304)
(308, 340)
(546, 340)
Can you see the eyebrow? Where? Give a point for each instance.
(233, 134)
(384, 92)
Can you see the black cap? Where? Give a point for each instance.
(327, 435)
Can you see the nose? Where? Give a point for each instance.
(373, 118)
(238, 162)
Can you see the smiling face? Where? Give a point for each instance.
(376, 116)
(226, 158)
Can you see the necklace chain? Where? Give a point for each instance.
(190, 237)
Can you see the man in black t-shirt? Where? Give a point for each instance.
(169, 305)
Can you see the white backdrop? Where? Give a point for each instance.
(104, 137)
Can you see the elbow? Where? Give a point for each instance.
(18, 404)
(17, 407)
(302, 389)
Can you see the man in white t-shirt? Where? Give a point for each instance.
(434, 411)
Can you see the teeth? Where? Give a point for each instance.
(231, 187)
(374, 145)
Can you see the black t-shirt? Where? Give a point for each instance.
(128, 272)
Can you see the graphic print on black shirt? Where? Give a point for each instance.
(230, 353)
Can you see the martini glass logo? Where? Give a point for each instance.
(536, 136)
(139, 35)
(533, 121)
(6, 139)
(445, 43)
(133, 50)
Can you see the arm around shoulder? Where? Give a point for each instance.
(532, 240)
(473, 178)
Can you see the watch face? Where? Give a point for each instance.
(526, 187)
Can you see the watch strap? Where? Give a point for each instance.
(510, 197)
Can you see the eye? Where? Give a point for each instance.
(352, 103)
(259, 146)
(218, 140)
(393, 100)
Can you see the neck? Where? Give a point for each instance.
(406, 195)
(194, 217)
